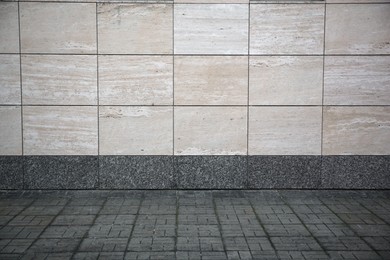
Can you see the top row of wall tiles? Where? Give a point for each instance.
(197, 28)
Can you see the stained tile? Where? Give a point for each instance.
(287, 29)
(285, 130)
(9, 79)
(58, 27)
(282, 80)
(135, 28)
(59, 79)
(10, 130)
(356, 130)
(211, 80)
(60, 130)
(357, 29)
(136, 130)
(210, 130)
(357, 80)
(135, 80)
(9, 30)
(211, 29)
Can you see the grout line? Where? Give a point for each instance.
(247, 101)
(49, 105)
(173, 83)
(97, 95)
(322, 100)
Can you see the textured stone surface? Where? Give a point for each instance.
(61, 172)
(137, 172)
(11, 172)
(356, 172)
(211, 172)
(10, 79)
(10, 130)
(294, 172)
(58, 27)
(9, 36)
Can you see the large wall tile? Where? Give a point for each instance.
(10, 130)
(9, 29)
(356, 131)
(217, 80)
(210, 130)
(136, 130)
(213, 1)
(211, 29)
(61, 172)
(211, 172)
(278, 80)
(60, 130)
(59, 79)
(58, 27)
(357, 29)
(137, 172)
(135, 80)
(135, 28)
(9, 79)
(359, 80)
(285, 130)
(287, 29)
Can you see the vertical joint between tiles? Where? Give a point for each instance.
(97, 97)
(247, 101)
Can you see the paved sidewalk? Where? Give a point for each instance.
(195, 225)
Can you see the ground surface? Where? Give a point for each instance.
(195, 225)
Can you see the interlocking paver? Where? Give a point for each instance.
(47, 245)
(110, 231)
(103, 244)
(286, 230)
(295, 243)
(75, 220)
(115, 219)
(21, 231)
(379, 243)
(354, 255)
(343, 243)
(65, 232)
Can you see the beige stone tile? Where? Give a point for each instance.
(60, 130)
(59, 79)
(58, 27)
(135, 28)
(9, 29)
(212, 1)
(357, 29)
(211, 29)
(136, 130)
(287, 29)
(356, 1)
(9, 79)
(211, 80)
(285, 130)
(10, 130)
(135, 80)
(285, 80)
(210, 130)
(357, 80)
(356, 131)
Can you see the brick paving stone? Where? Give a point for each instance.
(360, 218)
(110, 231)
(378, 243)
(80, 210)
(115, 219)
(65, 232)
(343, 243)
(354, 255)
(239, 255)
(21, 231)
(31, 220)
(371, 230)
(74, 220)
(145, 244)
(198, 230)
(306, 255)
(41, 210)
(103, 244)
(295, 243)
(17, 246)
(329, 230)
(286, 230)
(48, 245)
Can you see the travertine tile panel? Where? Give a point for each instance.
(60, 130)
(285, 80)
(357, 29)
(59, 79)
(9, 79)
(210, 131)
(211, 29)
(58, 27)
(135, 80)
(285, 130)
(10, 130)
(356, 131)
(213, 1)
(356, 1)
(9, 29)
(211, 80)
(287, 29)
(357, 80)
(135, 28)
(136, 130)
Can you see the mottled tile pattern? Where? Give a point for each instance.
(11, 173)
(10, 80)
(191, 225)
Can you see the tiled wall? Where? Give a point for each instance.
(195, 94)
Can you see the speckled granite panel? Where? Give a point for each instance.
(356, 172)
(137, 172)
(11, 172)
(61, 172)
(278, 172)
(211, 172)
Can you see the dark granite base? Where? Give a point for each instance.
(137, 172)
(211, 172)
(195, 172)
(356, 172)
(61, 172)
(284, 172)
(11, 172)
